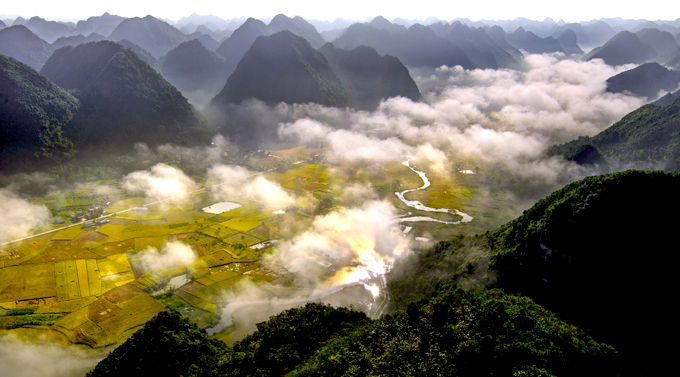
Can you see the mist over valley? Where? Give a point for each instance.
(288, 195)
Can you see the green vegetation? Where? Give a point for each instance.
(168, 345)
(648, 137)
(578, 253)
(454, 334)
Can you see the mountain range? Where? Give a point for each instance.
(123, 96)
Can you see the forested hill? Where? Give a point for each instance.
(598, 253)
(30, 106)
(455, 334)
(648, 137)
(123, 100)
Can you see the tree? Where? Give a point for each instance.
(54, 145)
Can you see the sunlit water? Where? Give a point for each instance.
(421, 207)
(368, 271)
(221, 207)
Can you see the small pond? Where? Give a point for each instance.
(220, 207)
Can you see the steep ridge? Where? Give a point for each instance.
(20, 43)
(479, 47)
(531, 43)
(576, 253)
(104, 25)
(298, 26)
(648, 137)
(190, 67)
(283, 68)
(47, 30)
(646, 80)
(123, 100)
(28, 102)
(623, 48)
(418, 46)
(153, 35)
(369, 76)
(234, 47)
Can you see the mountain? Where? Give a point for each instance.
(233, 48)
(381, 23)
(191, 67)
(123, 96)
(531, 43)
(503, 335)
(648, 137)
(149, 33)
(645, 80)
(660, 41)
(497, 34)
(47, 30)
(482, 50)
(369, 76)
(599, 32)
(2, 25)
(283, 67)
(208, 41)
(569, 43)
(623, 48)
(28, 102)
(584, 231)
(21, 44)
(579, 254)
(142, 54)
(417, 46)
(76, 40)
(103, 25)
(169, 344)
(297, 26)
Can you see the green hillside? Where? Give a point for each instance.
(648, 137)
(29, 102)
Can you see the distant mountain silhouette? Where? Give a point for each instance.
(23, 45)
(190, 67)
(498, 35)
(142, 54)
(76, 40)
(208, 42)
(624, 48)
(122, 99)
(381, 23)
(479, 47)
(569, 43)
(149, 33)
(28, 101)
(104, 25)
(599, 32)
(2, 25)
(369, 76)
(530, 42)
(47, 30)
(298, 26)
(646, 80)
(233, 48)
(418, 46)
(283, 67)
(661, 41)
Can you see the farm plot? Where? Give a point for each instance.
(28, 282)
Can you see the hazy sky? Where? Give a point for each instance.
(571, 11)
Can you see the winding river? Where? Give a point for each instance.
(421, 207)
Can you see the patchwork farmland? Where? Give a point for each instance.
(89, 283)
